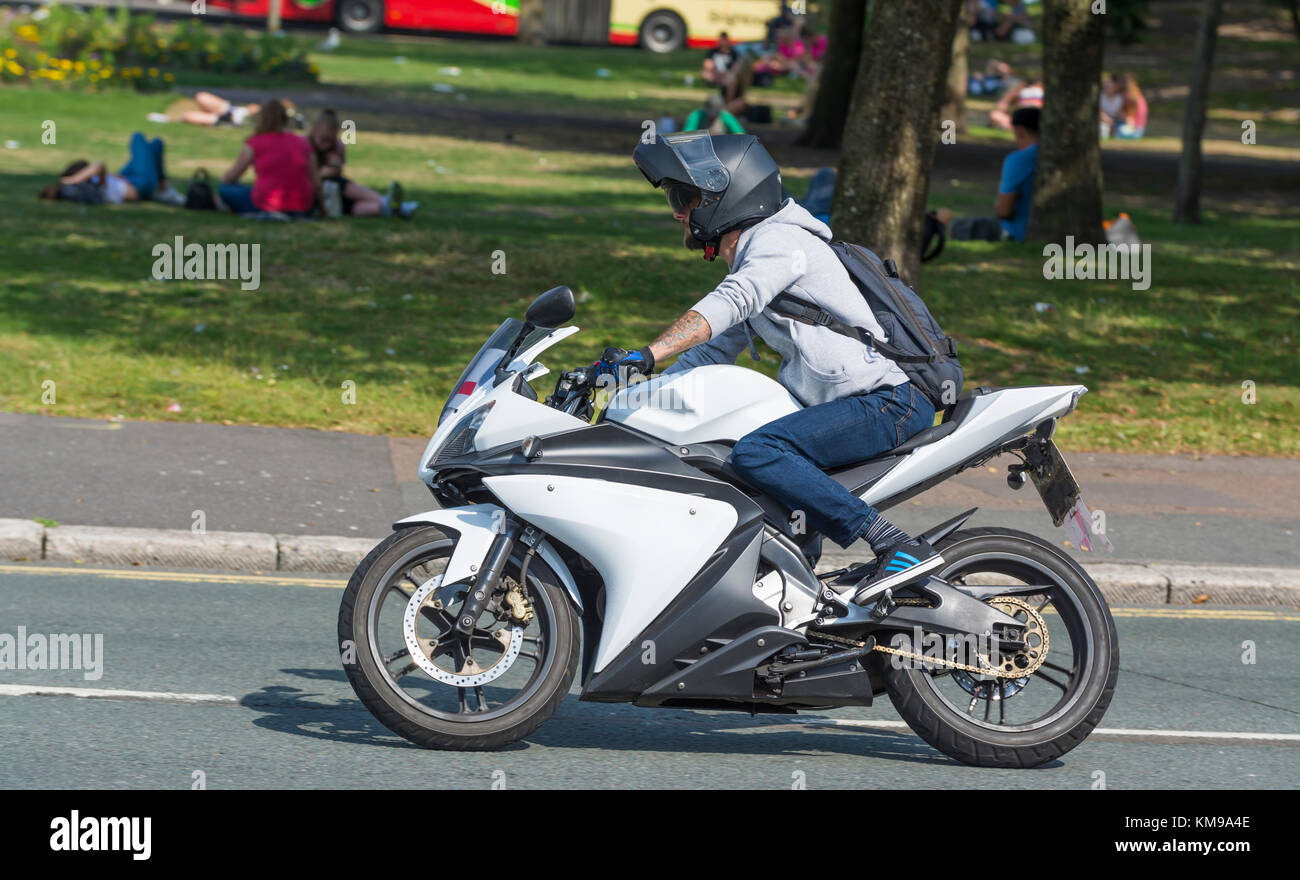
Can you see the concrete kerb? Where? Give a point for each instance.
(1123, 583)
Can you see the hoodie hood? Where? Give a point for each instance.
(792, 214)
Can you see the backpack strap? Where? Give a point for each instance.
(805, 312)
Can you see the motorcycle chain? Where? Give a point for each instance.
(953, 664)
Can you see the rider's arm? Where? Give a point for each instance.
(686, 332)
(721, 349)
(772, 263)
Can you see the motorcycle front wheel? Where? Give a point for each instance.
(1030, 720)
(439, 689)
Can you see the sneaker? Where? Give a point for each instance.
(169, 196)
(901, 564)
(333, 194)
(407, 209)
(393, 199)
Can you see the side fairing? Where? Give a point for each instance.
(646, 543)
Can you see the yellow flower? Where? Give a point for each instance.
(170, 77)
(153, 71)
(65, 63)
(10, 53)
(80, 67)
(95, 65)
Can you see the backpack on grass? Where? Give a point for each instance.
(916, 341)
(198, 196)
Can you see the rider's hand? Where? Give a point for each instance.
(624, 364)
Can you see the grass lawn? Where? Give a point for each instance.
(398, 307)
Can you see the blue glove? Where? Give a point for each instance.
(623, 364)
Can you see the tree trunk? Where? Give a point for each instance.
(1187, 208)
(954, 106)
(531, 22)
(839, 68)
(893, 127)
(1067, 184)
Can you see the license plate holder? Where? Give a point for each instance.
(1054, 481)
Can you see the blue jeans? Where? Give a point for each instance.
(145, 167)
(238, 197)
(787, 458)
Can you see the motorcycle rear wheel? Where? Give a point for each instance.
(1070, 692)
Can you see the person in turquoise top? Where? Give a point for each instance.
(1015, 193)
(712, 116)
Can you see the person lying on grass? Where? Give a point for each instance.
(353, 198)
(288, 182)
(216, 110)
(141, 179)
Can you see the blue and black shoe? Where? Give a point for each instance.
(897, 566)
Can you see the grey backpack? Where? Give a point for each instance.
(916, 341)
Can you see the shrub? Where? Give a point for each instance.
(65, 47)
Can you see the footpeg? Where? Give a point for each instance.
(884, 605)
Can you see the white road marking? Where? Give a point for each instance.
(1118, 732)
(41, 690)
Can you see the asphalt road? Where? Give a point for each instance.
(291, 720)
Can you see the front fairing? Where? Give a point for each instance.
(512, 416)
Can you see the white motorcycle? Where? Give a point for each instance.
(464, 628)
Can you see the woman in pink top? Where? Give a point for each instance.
(1135, 110)
(288, 181)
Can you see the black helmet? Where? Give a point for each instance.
(736, 179)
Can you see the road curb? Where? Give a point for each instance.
(1123, 583)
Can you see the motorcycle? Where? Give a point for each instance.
(465, 628)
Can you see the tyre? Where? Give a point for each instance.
(361, 16)
(663, 31)
(1026, 721)
(476, 692)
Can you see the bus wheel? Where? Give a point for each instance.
(663, 31)
(361, 16)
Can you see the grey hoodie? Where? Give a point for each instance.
(788, 252)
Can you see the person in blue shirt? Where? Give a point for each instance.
(1015, 193)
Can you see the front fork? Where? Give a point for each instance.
(485, 585)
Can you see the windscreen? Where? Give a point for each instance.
(481, 367)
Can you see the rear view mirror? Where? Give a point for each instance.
(551, 309)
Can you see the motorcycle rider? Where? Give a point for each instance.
(726, 192)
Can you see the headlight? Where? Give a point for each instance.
(462, 437)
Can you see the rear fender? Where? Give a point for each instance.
(476, 526)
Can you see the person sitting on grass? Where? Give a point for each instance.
(353, 198)
(990, 23)
(1112, 105)
(287, 183)
(1015, 194)
(142, 178)
(718, 61)
(1135, 110)
(713, 118)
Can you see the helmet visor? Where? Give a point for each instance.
(694, 149)
(680, 195)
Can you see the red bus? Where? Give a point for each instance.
(661, 25)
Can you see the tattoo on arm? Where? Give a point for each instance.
(686, 332)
